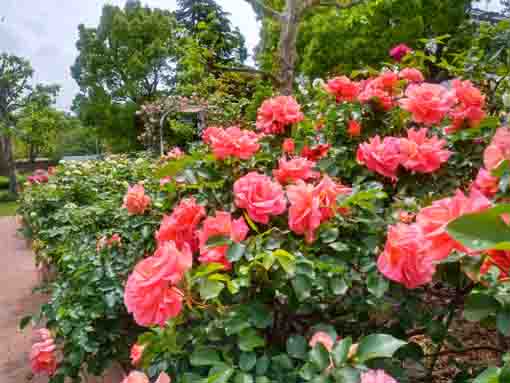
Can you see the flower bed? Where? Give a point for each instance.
(304, 250)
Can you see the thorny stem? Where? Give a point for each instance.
(449, 319)
(436, 354)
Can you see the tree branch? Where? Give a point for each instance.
(267, 10)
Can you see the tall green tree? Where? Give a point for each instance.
(128, 59)
(15, 74)
(209, 25)
(38, 128)
(130, 56)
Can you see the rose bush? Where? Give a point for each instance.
(309, 250)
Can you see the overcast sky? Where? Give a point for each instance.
(45, 32)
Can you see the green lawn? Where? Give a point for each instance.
(8, 209)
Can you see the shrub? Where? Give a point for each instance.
(233, 275)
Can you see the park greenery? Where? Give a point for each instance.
(335, 213)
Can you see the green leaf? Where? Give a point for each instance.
(247, 361)
(268, 260)
(482, 231)
(243, 378)
(286, 260)
(503, 322)
(339, 246)
(210, 289)
(302, 287)
(341, 351)
(329, 235)
(236, 325)
(220, 373)
(377, 285)
(207, 269)
(319, 356)
(338, 286)
(490, 375)
(347, 375)
(479, 306)
(24, 321)
(308, 371)
(218, 240)
(504, 375)
(282, 362)
(249, 340)
(171, 168)
(297, 346)
(377, 346)
(205, 357)
(262, 365)
(235, 251)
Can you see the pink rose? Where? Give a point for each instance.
(399, 51)
(297, 168)
(40, 176)
(411, 75)
(305, 210)
(288, 146)
(376, 376)
(327, 190)
(405, 259)
(232, 142)
(428, 103)
(276, 113)
(136, 353)
(165, 180)
(498, 150)
(148, 294)
(434, 219)
(260, 196)
(382, 157)
(136, 201)
(343, 88)
(181, 225)
(380, 90)
(322, 338)
(140, 377)
(221, 224)
(43, 358)
(421, 154)
(470, 107)
(486, 183)
(354, 128)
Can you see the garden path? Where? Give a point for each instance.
(17, 279)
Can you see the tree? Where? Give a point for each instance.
(15, 73)
(314, 37)
(129, 56)
(37, 123)
(209, 25)
(127, 60)
(364, 35)
(288, 21)
(38, 129)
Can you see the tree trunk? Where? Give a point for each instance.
(32, 154)
(288, 46)
(6, 146)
